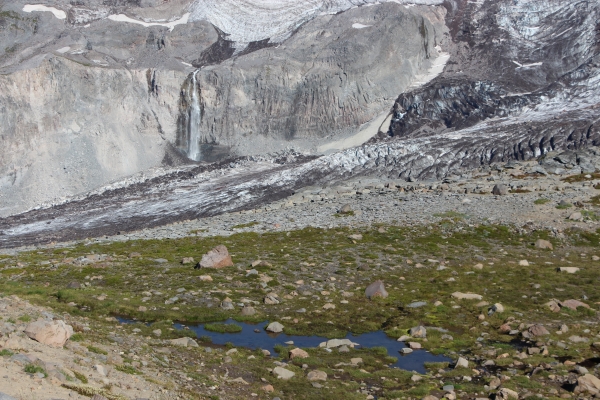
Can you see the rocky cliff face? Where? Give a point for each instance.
(82, 105)
(98, 90)
(334, 74)
(63, 137)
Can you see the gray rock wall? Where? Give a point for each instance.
(68, 128)
(323, 82)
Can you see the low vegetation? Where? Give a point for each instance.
(310, 268)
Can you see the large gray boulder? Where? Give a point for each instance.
(275, 327)
(500, 190)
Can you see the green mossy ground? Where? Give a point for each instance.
(128, 282)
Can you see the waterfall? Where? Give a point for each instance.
(195, 118)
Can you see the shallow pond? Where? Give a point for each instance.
(264, 340)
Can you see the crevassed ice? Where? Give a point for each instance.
(252, 20)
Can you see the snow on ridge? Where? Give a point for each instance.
(38, 7)
(171, 25)
(248, 21)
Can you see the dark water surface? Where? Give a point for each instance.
(265, 340)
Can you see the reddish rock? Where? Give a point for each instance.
(298, 353)
(505, 328)
(216, 258)
(538, 330)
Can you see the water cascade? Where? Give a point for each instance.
(194, 120)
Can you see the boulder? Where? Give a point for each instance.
(376, 289)
(316, 376)
(417, 304)
(187, 260)
(346, 209)
(248, 311)
(553, 305)
(184, 342)
(576, 216)
(271, 299)
(282, 373)
(496, 308)
(268, 388)
(500, 190)
(467, 296)
(573, 304)
(333, 343)
(495, 383)
(543, 244)
(4, 396)
(357, 236)
(538, 330)
(298, 353)
(462, 363)
(216, 258)
(588, 383)
(227, 304)
(506, 394)
(101, 369)
(568, 270)
(418, 332)
(275, 327)
(51, 333)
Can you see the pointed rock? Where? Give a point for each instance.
(376, 289)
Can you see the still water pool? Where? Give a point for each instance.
(262, 339)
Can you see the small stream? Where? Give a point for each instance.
(262, 339)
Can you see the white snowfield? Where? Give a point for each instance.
(38, 7)
(252, 20)
(171, 25)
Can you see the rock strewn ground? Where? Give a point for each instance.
(375, 200)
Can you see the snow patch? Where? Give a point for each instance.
(360, 26)
(536, 64)
(171, 25)
(372, 128)
(436, 68)
(38, 7)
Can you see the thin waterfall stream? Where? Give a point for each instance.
(195, 118)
